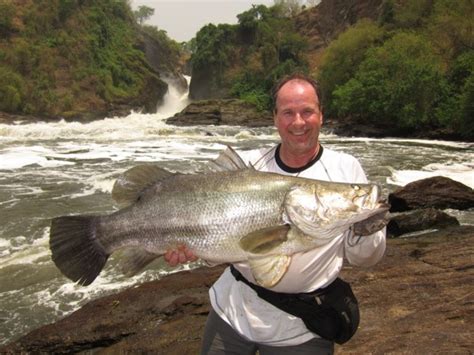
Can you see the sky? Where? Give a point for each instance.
(182, 19)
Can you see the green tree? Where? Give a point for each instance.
(413, 13)
(143, 13)
(288, 8)
(451, 27)
(11, 90)
(456, 111)
(387, 12)
(249, 21)
(7, 11)
(400, 83)
(342, 58)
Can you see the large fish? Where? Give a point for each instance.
(232, 213)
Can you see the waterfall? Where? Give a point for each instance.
(175, 98)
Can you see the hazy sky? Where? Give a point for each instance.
(182, 19)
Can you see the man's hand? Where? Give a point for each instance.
(181, 255)
(371, 224)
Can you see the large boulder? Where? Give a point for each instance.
(436, 192)
(418, 220)
(221, 112)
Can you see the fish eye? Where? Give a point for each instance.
(356, 187)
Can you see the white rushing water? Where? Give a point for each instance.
(52, 169)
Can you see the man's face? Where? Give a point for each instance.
(297, 117)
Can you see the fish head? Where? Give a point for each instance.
(324, 210)
(364, 196)
(339, 200)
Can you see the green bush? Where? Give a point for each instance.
(244, 60)
(7, 11)
(342, 58)
(11, 90)
(400, 83)
(456, 111)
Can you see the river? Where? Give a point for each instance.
(52, 169)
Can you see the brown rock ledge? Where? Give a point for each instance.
(418, 300)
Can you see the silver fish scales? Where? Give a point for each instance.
(233, 213)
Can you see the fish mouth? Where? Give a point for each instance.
(370, 200)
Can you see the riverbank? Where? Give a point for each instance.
(418, 299)
(237, 113)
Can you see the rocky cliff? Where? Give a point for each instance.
(80, 60)
(323, 23)
(313, 30)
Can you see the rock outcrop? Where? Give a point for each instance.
(221, 112)
(419, 220)
(323, 23)
(437, 192)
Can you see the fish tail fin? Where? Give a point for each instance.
(75, 248)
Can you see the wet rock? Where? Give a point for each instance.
(154, 317)
(417, 300)
(221, 112)
(436, 192)
(418, 220)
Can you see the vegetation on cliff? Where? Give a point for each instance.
(74, 58)
(413, 70)
(243, 60)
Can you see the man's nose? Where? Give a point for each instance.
(298, 120)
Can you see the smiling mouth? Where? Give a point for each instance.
(298, 133)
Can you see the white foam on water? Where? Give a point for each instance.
(426, 142)
(463, 173)
(11, 161)
(19, 250)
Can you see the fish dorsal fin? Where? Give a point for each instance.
(133, 182)
(228, 160)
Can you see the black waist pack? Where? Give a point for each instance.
(331, 312)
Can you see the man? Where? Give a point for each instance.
(241, 322)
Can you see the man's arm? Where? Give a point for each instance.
(369, 249)
(365, 250)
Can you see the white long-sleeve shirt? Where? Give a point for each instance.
(256, 319)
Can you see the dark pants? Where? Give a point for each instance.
(221, 338)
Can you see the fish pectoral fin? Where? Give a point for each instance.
(269, 270)
(134, 260)
(129, 186)
(264, 240)
(268, 267)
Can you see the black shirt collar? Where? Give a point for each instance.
(291, 170)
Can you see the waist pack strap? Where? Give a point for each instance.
(265, 291)
(331, 312)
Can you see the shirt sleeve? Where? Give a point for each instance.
(363, 250)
